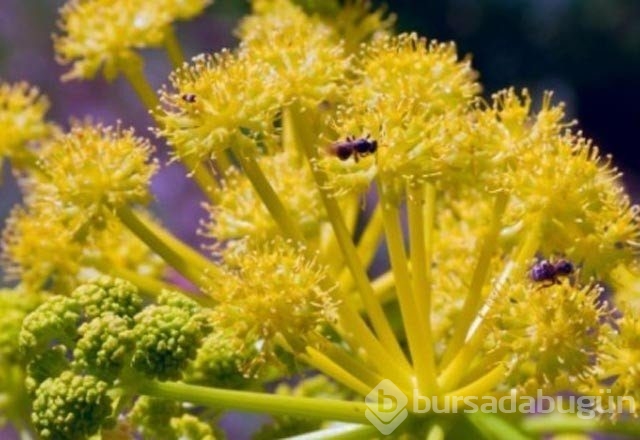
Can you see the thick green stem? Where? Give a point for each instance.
(421, 253)
(186, 264)
(173, 48)
(372, 306)
(340, 432)
(481, 272)
(482, 385)
(366, 247)
(268, 195)
(133, 72)
(355, 330)
(274, 404)
(565, 423)
(495, 427)
(413, 324)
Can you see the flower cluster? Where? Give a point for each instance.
(323, 138)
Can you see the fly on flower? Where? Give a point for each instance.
(354, 147)
(189, 97)
(545, 271)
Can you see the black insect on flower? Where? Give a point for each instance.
(545, 271)
(189, 97)
(357, 148)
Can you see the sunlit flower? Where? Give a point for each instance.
(22, 121)
(105, 34)
(76, 179)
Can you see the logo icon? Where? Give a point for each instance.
(386, 407)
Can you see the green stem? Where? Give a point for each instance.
(337, 371)
(372, 306)
(133, 72)
(366, 247)
(371, 237)
(173, 48)
(455, 371)
(565, 423)
(194, 256)
(192, 269)
(437, 431)
(149, 286)
(495, 427)
(268, 195)
(274, 404)
(482, 385)
(411, 318)
(473, 300)
(340, 432)
(421, 254)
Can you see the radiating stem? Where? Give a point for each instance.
(481, 272)
(356, 331)
(455, 371)
(340, 432)
(274, 404)
(366, 247)
(268, 195)
(495, 427)
(178, 244)
(173, 48)
(411, 318)
(419, 226)
(482, 385)
(372, 306)
(437, 431)
(192, 268)
(134, 74)
(328, 366)
(564, 423)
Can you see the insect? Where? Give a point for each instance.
(545, 271)
(189, 97)
(354, 147)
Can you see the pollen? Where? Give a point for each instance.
(272, 290)
(120, 177)
(104, 34)
(22, 121)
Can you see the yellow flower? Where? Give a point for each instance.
(38, 262)
(241, 213)
(553, 331)
(215, 99)
(355, 21)
(105, 34)
(68, 256)
(94, 167)
(307, 60)
(619, 359)
(22, 121)
(411, 97)
(272, 291)
(561, 187)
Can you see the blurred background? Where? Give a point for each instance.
(587, 51)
